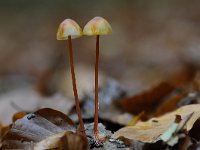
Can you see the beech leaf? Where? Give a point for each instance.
(44, 128)
(152, 130)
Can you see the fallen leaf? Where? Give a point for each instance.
(136, 119)
(63, 141)
(184, 76)
(169, 104)
(149, 100)
(0, 134)
(3, 132)
(18, 115)
(168, 134)
(145, 101)
(151, 130)
(57, 118)
(45, 125)
(173, 134)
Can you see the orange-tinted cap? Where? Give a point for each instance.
(97, 26)
(69, 28)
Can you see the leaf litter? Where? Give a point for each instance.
(50, 129)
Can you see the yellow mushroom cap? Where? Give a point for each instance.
(97, 26)
(69, 28)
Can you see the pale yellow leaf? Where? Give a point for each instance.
(151, 130)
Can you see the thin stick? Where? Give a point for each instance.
(78, 110)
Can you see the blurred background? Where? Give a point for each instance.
(151, 40)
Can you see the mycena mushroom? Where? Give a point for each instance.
(69, 30)
(97, 26)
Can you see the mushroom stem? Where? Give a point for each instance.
(78, 110)
(96, 114)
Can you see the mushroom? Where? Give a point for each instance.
(69, 30)
(97, 26)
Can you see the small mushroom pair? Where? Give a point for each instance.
(69, 30)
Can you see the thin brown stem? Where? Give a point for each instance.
(96, 115)
(78, 110)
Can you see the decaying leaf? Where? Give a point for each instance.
(152, 130)
(172, 129)
(0, 134)
(136, 119)
(18, 115)
(173, 134)
(146, 100)
(149, 100)
(57, 118)
(3, 132)
(170, 103)
(63, 141)
(45, 127)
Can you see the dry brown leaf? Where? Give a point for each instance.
(184, 76)
(136, 119)
(18, 115)
(169, 104)
(0, 134)
(45, 125)
(146, 100)
(149, 100)
(3, 131)
(62, 141)
(151, 130)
